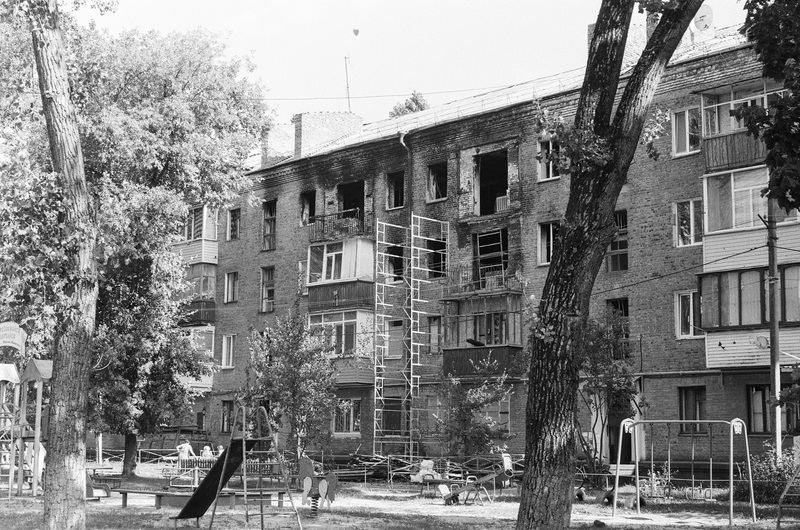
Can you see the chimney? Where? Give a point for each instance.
(315, 129)
(651, 23)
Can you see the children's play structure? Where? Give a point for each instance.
(728, 430)
(252, 451)
(22, 449)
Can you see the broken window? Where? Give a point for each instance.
(550, 152)
(394, 263)
(491, 260)
(351, 198)
(395, 186)
(308, 207)
(269, 212)
(437, 182)
(437, 258)
(234, 217)
(491, 176)
(617, 253)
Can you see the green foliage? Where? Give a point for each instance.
(607, 383)
(774, 29)
(770, 475)
(415, 103)
(290, 368)
(461, 425)
(165, 121)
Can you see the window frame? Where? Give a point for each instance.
(353, 419)
(694, 303)
(698, 410)
(390, 351)
(788, 413)
(433, 183)
(335, 332)
(686, 134)
(308, 207)
(329, 257)
(615, 249)
(395, 182)
(228, 354)
(496, 410)
(231, 287)
(434, 340)
(234, 224)
(546, 248)
(548, 169)
(267, 304)
(695, 235)
(269, 225)
(226, 418)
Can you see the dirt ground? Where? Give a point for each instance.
(360, 506)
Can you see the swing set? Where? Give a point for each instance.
(734, 427)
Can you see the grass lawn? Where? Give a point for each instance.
(371, 506)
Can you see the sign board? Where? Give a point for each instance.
(13, 335)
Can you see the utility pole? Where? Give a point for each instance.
(774, 317)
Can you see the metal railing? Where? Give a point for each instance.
(340, 225)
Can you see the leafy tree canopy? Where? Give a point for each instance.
(774, 29)
(415, 103)
(290, 368)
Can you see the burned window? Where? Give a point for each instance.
(617, 253)
(308, 207)
(491, 182)
(351, 199)
(437, 258)
(437, 182)
(491, 258)
(395, 187)
(394, 263)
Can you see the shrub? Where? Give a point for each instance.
(769, 476)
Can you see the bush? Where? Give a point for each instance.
(769, 477)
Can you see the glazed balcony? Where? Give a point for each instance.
(341, 295)
(200, 312)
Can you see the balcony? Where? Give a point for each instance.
(344, 295)
(340, 225)
(731, 151)
(354, 371)
(202, 384)
(486, 279)
(200, 312)
(462, 362)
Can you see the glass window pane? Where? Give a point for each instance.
(694, 129)
(751, 290)
(710, 301)
(791, 282)
(680, 132)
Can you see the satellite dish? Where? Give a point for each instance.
(704, 18)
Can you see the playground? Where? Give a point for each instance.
(377, 505)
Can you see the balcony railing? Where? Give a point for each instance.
(200, 312)
(340, 225)
(467, 279)
(731, 151)
(345, 295)
(354, 371)
(465, 362)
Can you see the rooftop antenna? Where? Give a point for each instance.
(347, 75)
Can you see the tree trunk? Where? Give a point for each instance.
(64, 477)
(586, 232)
(129, 460)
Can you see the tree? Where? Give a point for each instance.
(774, 29)
(607, 388)
(415, 103)
(460, 424)
(64, 467)
(600, 147)
(290, 369)
(162, 121)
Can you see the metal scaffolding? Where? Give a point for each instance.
(403, 273)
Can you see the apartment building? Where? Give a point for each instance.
(417, 242)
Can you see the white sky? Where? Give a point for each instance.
(437, 47)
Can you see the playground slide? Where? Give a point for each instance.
(203, 497)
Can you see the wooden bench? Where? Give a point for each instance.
(230, 494)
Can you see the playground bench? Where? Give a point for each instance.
(159, 495)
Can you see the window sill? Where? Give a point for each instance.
(544, 264)
(395, 208)
(231, 302)
(690, 337)
(690, 245)
(266, 312)
(684, 155)
(723, 231)
(551, 179)
(227, 367)
(434, 201)
(341, 435)
(268, 249)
